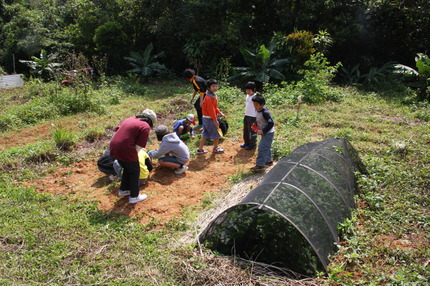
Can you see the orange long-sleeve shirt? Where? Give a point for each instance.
(210, 107)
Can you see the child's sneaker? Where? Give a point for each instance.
(250, 147)
(113, 178)
(201, 151)
(257, 168)
(137, 199)
(243, 145)
(181, 170)
(218, 150)
(122, 193)
(270, 163)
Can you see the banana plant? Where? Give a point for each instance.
(44, 67)
(420, 75)
(145, 64)
(261, 67)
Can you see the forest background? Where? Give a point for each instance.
(209, 35)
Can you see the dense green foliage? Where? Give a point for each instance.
(200, 33)
(145, 64)
(420, 76)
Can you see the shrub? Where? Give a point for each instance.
(315, 86)
(301, 45)
(69, 102)
(94, 134)
(38, 89)
(224, 69)
(36, 110)
(9, 121)
(278, 96)
(64, 140)
(130, 84)
(228, 95)
(420, 76)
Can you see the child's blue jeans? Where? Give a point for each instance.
(265, 149)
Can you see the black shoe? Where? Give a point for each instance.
(243, 145)
(249, 147)
(257, 168)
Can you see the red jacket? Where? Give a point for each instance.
(131, 132)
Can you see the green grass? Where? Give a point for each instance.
(54, 240)
(50, 240)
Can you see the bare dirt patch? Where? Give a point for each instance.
(167, 192)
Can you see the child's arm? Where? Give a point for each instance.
(148, 164)
(270, 124)
(162, 150)
(194, 95)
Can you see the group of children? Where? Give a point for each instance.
(127, 160)
(172, 153)
(257, 119)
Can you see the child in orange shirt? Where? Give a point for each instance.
(210, 112)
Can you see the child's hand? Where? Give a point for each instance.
(260, 132)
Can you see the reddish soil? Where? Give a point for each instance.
(25, 136)
(167, 192)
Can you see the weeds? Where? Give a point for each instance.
(49, 101)
(64, 139)
(49, 238)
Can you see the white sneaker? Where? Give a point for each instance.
(113, 178)
(123, 193)
(181, 170)
(137, 199)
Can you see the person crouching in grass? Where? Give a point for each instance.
(183, 127)
(175, 152)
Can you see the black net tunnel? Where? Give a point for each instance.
(290, 220)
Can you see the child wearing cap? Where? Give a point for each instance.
(172, 152)
(183, 127)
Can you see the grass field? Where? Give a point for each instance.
(48, 239)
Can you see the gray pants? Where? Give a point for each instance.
(265, 149)
(249, 135)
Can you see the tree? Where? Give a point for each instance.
(421, 75)
(111, 40)
(145, 64)
(44, 67)
(261, 67)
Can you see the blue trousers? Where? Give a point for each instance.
(265, 149)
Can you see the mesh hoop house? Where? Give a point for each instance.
(290, 220)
